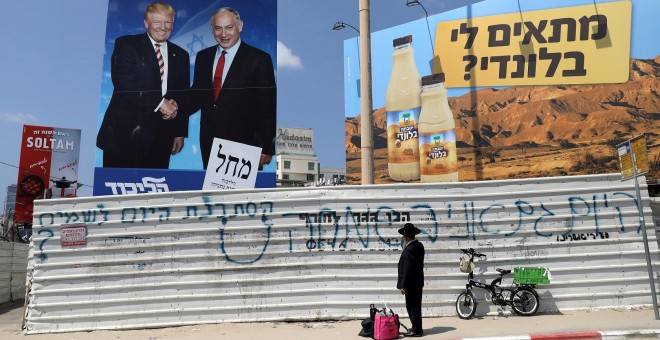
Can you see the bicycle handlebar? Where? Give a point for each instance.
(472, 253)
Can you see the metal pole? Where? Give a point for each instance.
(649, 265)
(366, 107)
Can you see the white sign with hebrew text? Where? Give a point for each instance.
(231, 166)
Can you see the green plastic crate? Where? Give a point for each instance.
(531, 275)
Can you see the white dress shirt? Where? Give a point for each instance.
(229, 58)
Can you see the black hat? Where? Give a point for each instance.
(409, 229)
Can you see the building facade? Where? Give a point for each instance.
(7, 219)
(10, 198)
(297, 164)
(332, 176)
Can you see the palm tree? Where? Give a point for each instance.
(406, 118)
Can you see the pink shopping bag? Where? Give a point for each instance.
(386, 327)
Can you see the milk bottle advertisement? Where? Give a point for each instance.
(507, 89)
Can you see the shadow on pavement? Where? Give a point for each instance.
(438, 330)
(6, 307)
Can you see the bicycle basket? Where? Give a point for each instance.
(531, 275)
(465, 265)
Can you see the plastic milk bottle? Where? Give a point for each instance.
(402, 102)
(437, 133)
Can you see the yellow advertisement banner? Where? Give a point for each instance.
(627, 170)
(633, 157)
(572, 45)
(641, 154)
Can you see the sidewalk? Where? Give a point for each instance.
(605, 324)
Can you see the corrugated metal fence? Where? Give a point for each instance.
(655, 209)
(327, 253)
(13, 265)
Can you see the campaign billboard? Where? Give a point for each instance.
(536, 89)
(48, 167)
(143, 120)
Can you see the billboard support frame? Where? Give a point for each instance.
(630, 146)
(649, 265)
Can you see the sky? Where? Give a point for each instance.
(52, 56)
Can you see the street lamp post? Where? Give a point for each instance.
(411, 3)
(340, 25)
(366, 105)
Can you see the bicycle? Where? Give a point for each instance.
(522, 298)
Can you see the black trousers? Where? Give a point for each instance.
(414, 308)
(157, 156)
(150, 151)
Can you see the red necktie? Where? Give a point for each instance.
(161, 62)
(217, 77)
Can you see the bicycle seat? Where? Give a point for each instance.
(503, 271)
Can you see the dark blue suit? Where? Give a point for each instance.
(132, 133)
(411, 277)
(245, 109)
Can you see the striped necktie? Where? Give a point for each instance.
(161, 62)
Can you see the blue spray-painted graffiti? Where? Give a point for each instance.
(130, 215)
(250, 210)
(42, 256)
(89, 216)
(620, 214)
(546, 214)
(353, 228)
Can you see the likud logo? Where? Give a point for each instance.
(148, 185)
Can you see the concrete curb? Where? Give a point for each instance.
(609, 335)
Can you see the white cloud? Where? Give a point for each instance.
(21, 118)
(286, 58)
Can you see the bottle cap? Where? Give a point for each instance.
(402, 41)
(435, 78)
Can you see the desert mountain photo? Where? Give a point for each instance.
(534, 131)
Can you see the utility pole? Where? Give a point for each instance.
(366, 106)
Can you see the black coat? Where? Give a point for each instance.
(411, 267)
(130, 123)
(245, 109)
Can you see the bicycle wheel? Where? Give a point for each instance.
(525, 301)
(466, 305)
